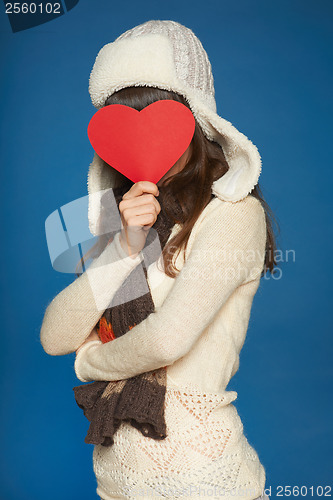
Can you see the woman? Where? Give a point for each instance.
(181, 434)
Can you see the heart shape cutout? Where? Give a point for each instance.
(142, 145)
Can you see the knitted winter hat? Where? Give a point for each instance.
(168, 55)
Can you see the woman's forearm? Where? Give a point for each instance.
(74, 312)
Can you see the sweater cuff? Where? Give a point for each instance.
(79, 358)
(124, 255)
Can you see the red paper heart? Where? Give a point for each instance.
(142, 145)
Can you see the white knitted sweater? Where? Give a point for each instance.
(197, 331)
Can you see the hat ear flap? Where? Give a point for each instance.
(101, 176)
(240, 153)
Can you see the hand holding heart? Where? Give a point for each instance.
(138, 210)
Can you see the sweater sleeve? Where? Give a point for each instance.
(228, 250)
(74, 312)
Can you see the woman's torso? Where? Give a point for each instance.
(205, 450)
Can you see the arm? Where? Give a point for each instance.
(218, 263)
(74, 312)
(92, 337)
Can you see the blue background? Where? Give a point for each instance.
(273, 78)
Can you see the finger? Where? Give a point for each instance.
(142, 200)
(141, 187)
(132, 212)
(137, 222)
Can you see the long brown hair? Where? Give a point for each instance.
(192, 185)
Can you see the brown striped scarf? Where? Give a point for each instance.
(138, 400)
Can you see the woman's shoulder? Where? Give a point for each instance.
(246, 210)
(223, 224)
(227, 225)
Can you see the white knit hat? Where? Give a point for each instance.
(167, 55)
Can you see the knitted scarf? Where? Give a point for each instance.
(138, 400)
